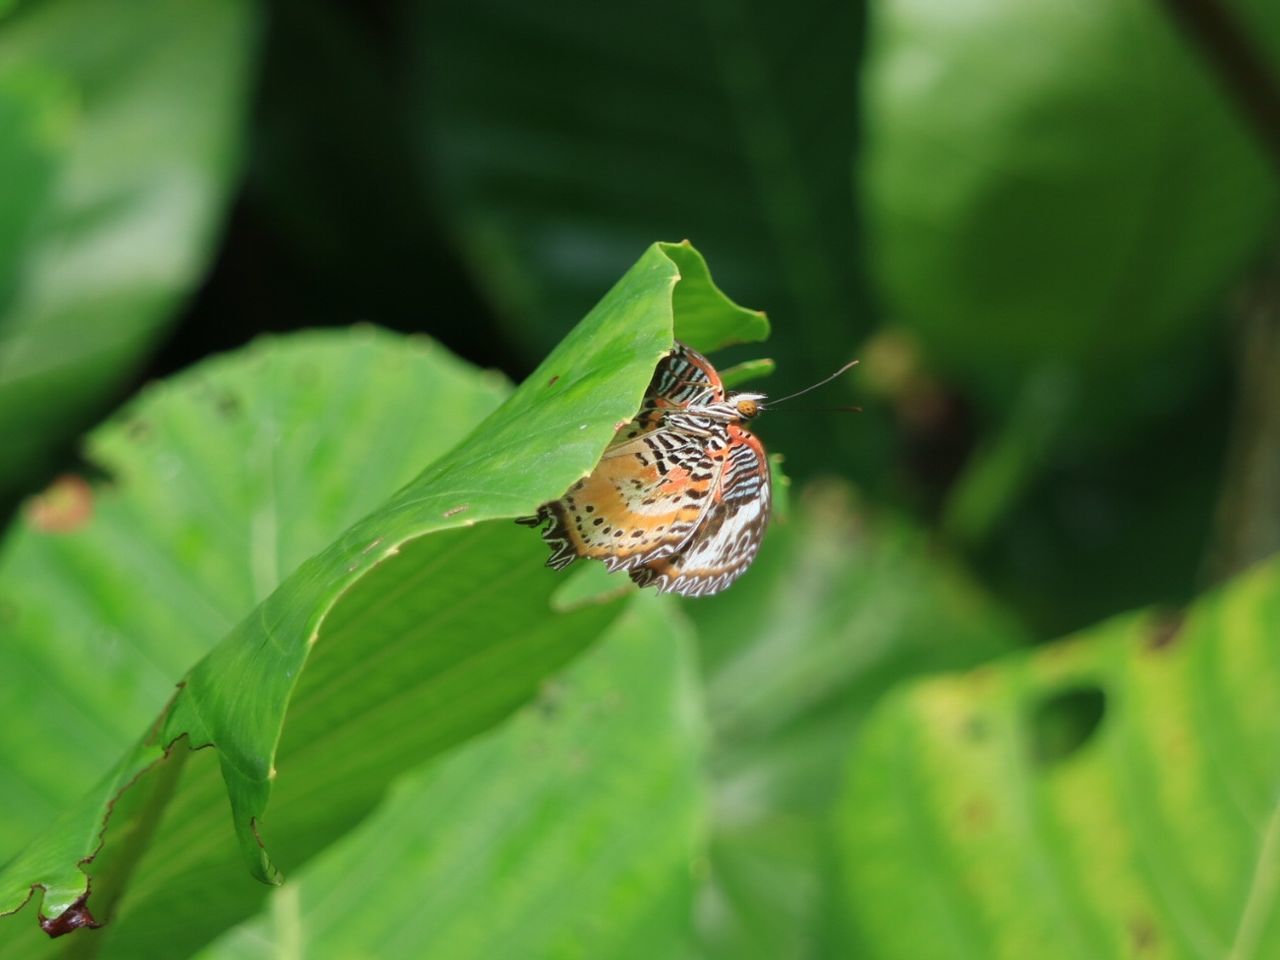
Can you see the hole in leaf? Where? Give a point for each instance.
(1063, 722)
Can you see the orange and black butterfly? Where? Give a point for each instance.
(681, 497)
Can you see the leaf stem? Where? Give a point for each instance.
(1248, 523)
(1249, 507)
(999, 471)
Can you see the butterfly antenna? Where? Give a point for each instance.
(824, 410)
(791, 396)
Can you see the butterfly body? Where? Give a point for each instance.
(681, 497)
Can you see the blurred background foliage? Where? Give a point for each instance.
(1048, 231)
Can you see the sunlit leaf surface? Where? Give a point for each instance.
(1112, 795)
(218, 484)
(573, 830)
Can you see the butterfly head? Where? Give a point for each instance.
(734, 408)
(747, 405)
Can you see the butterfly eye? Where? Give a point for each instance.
(747, 408)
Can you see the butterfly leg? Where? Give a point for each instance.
(555, 535)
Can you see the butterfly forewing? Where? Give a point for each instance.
(644, 500)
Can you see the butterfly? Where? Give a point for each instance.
(680, 499)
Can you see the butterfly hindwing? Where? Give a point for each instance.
(729, 535)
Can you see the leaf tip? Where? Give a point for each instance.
(73, 918)
(264, 868)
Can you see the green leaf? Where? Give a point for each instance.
(747, 371)
(1058, 196)
(572, 830)
(460, 620)
(704, 322)
(137, 107)
(36, 115)
(695, 124)
(1114, 794)
(220, 482)
(843, 604)
(1051, 184)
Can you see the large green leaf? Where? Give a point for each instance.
(460, 620)
(36, 115)
(1057, 196)
(1053, 184)
(221, 482)
(573, 830)
(121, 155)
(1113, 795)
(843, 604)
(688, 121)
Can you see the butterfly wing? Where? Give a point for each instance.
(683, 377)
(728, 536)
(680, 502)
(644, 500)
(650, 490)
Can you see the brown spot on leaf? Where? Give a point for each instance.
(64, 507)
(138, 430)
(454, 511)
(73, 918)
(552, 381)
(228, 404)
(1143, 935)
(1165, 629)
(550, 699)
(976, 814)
(975, 729)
